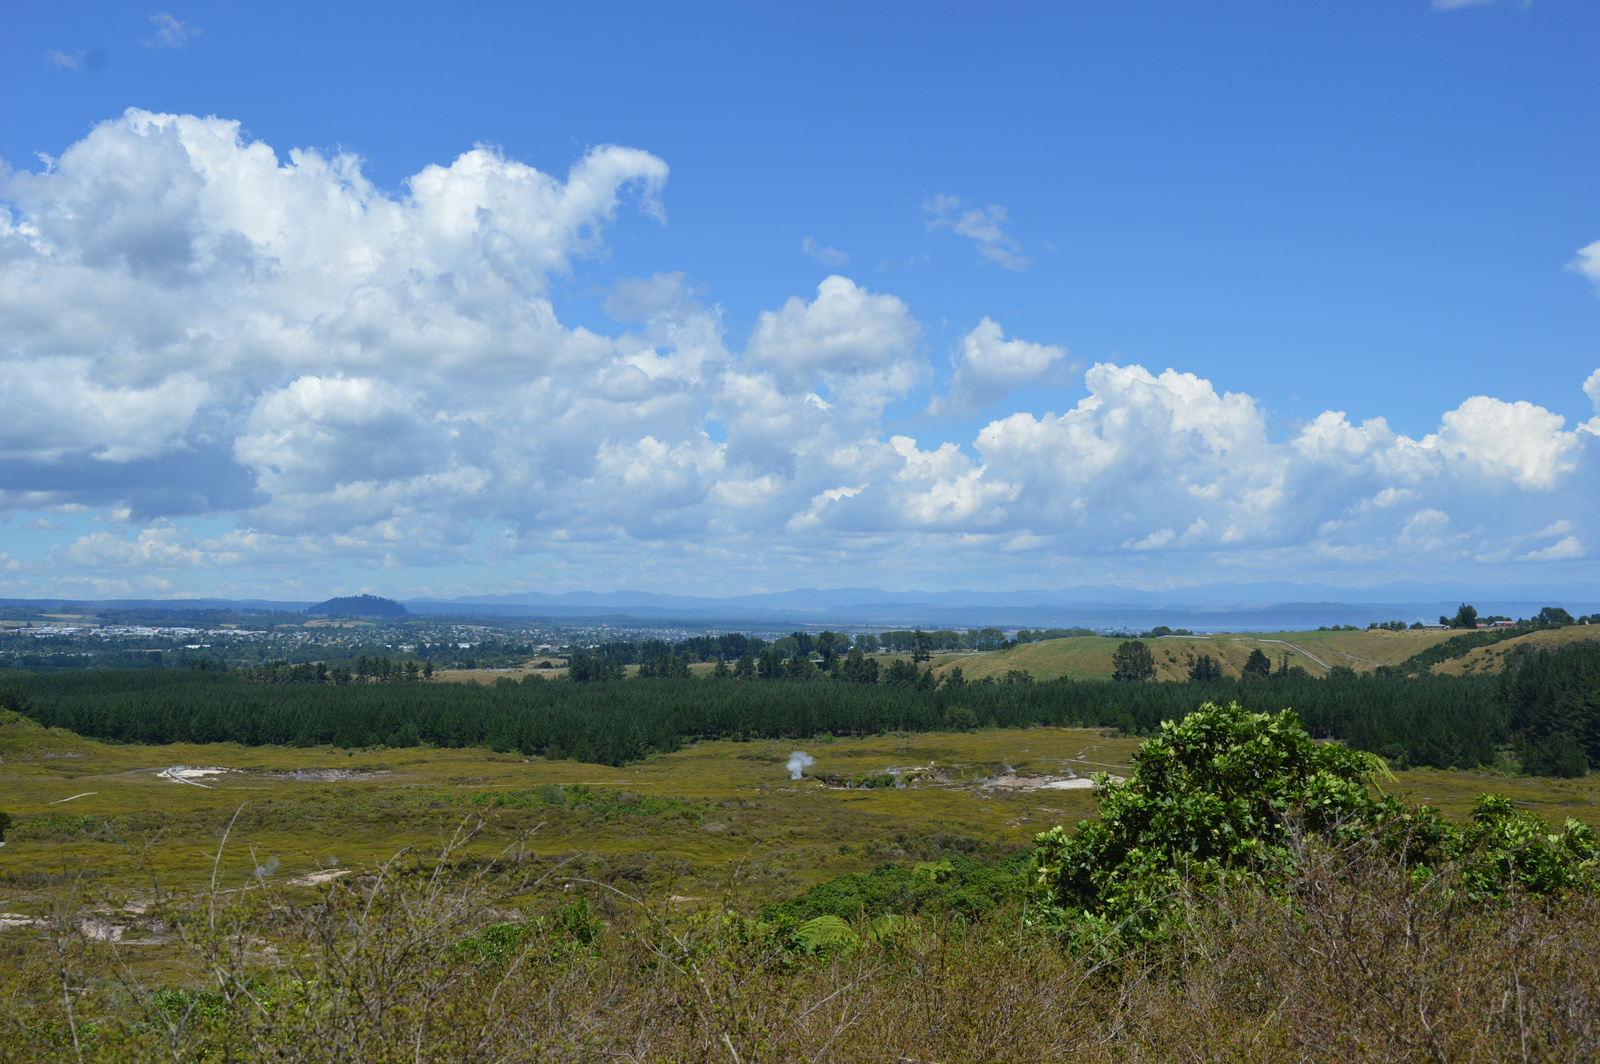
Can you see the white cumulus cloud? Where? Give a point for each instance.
(1558, 551)
(859, 345)
(170, 290)
(192, 323)
(988, 367)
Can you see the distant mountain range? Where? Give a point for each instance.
(1272, 605)
(1265, 605)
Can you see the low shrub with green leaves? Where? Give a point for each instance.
(956, 884)
(569, 929)
(604, 805)
(1357, 957)
(1226, 796)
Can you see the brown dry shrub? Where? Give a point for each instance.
(1359, 962)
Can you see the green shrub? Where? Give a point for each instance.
(1228, 796)
(956, 884)
(570, 929)
(1209, 799)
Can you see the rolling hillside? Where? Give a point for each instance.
(1090, 657)
(1493, 658)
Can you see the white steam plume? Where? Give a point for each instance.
(799, 761)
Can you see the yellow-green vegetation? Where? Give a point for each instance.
(105, 811)
(1089, 658)
(590, 913)
(1496, 657)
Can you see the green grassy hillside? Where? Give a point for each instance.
(1495, 658)
(1089, 658)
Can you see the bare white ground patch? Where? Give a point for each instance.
(192, 776)
(327, 775)
(315, 878)
(1013, 782)
(101, 930)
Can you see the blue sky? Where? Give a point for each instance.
(846, 296)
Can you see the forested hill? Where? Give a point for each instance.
(1549, 710)
(358, 606)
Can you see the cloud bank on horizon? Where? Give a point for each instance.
(192, 328)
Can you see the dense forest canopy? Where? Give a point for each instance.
(1549, 707)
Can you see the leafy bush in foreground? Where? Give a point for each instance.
(956, 884)
(1226, 796)
(1356, 960)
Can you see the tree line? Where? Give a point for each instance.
(1548, 710)
(826, 645)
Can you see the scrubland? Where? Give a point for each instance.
(423, 961)
(340, 904)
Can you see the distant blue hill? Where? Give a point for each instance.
(1278, 605)
(358, 606)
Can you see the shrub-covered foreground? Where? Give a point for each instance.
(1245, 896)
(1356, 960)
(1227, 796)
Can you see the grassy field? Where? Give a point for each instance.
(1493, 658)
(104, 814)
(1089, 657)
(727, 802)
(318, 944)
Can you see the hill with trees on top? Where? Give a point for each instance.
(358, 606)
